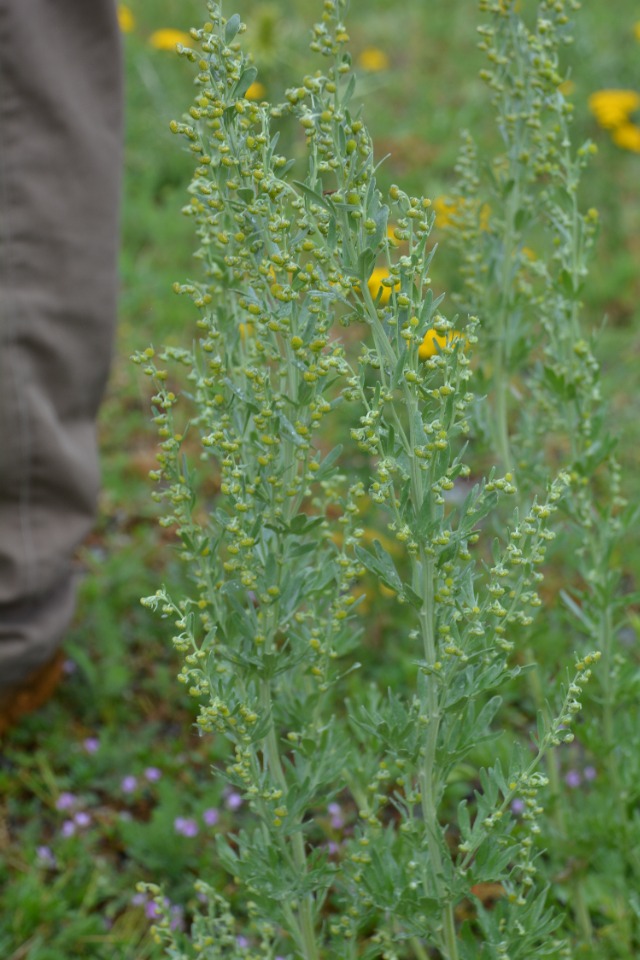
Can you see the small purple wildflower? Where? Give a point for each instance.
(233, 801)
(590, 773)
(128, 784)
(139, 899)
(68, 828)
(185, 826)
(573, 778)
(517, 806)
(81, 819)
(152, 910)
(337, 820)
(65, 801)
(91, 744)
(152, 774)
(242, 941)
(45, 856)
(210, 817)
(69, 667)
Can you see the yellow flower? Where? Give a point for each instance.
(373, 60)
(375, 284)
(627, 136)
(125, 18)
(393, 240)
(448, 210)
(167, 39)
(485, 212)
(433, 342)
(256, 91)
(636, 30)
(445, 210)
(611, 108)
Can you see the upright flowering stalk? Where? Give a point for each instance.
(272, 538)
(524, 264)
(524, 271)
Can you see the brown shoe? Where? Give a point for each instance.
(32, 693)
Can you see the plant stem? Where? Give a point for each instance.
(581, 913)
(605, 644)
(274, 763)
(502, 414)
(423, 577)
(428, 773)
(418, 949)
(579, 906)
(501, 356)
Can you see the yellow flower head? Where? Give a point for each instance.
(611, 108)
(256, 91)
(627, 136)
(125, 18)
(636, 30)
(433, 342)
(167, 39)
(485, 213)
(448, 210)
(391, 235)
(375, 284)
(373, 60)
(246, 330)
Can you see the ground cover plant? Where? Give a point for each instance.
(111, 785)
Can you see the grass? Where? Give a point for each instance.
(67, 887)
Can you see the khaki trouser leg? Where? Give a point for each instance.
(60, 162)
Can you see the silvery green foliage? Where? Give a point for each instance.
(271, 634)
(524, 245)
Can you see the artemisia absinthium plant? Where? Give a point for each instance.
(524, 245)
(276, 556)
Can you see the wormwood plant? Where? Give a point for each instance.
(271, 635)
(524, 247)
